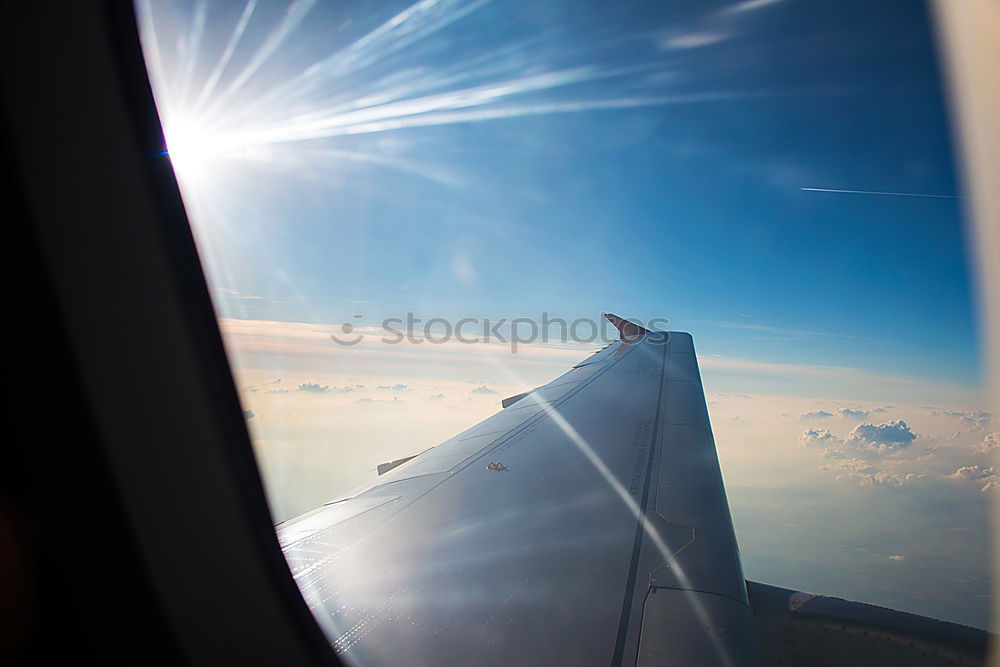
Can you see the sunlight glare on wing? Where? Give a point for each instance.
(667, 553)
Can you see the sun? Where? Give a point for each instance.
(192, 146)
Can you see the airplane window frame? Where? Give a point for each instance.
(119, 254)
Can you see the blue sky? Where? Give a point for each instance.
(658, 171)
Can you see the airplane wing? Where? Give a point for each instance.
(796, 628)
(586, 523)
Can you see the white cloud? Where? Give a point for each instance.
(867, 475)
(885, 437)
(853, 413)
(483, 389)
(816, 437)
(973, 472)
(815, 414)
(990, 444)
(856, 465)
(880, 478)
(315, 388)
(988, 475)
(975, 418)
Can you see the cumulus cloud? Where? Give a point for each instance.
(975, 419)
(314, 388)
(248, 414)
(394, 387)
(989, 476)
(867, 475)
(483, 389)
(896, 557)
(435, 397)
(888, 436)
(882, 455)
(856, 465)
(990, 444)
(817, 437)
(883, 478)
(249, 389)
(852, 413)
(973, 472)
(815, 414)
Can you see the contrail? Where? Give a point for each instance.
(877, 192)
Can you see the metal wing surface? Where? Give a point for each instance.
(586, 523)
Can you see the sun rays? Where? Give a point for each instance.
(237, 102)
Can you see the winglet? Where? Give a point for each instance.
(511, 400)
(629, 331)
(383, 468)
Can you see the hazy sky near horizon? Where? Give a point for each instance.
(349, 161)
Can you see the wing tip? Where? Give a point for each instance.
(629, 331)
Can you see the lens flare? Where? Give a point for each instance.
(192, 148)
